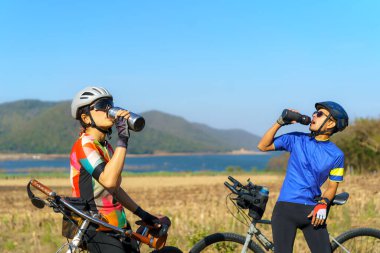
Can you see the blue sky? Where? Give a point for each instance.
(227, 64)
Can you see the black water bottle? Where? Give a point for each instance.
(289, 116)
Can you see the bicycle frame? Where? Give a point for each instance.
(353, 240)
(268, 245)
(339, 199)
(254, 231)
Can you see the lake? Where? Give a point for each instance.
(138, 164)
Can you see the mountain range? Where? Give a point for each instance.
(33, 126)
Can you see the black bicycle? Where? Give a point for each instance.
(77, 217)
(249, 197)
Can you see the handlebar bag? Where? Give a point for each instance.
(255, 201)
(71, 221)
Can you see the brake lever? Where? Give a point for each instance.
(231, 188)
(236, 183)
(144, 224)
(250, 184)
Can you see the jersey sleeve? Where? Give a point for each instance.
(91, 160)
(336, 173)
(284, 142)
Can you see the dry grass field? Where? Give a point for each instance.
(195, 204)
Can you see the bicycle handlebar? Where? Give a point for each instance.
(44, 189)
(338, 199)
(152, 242)
(129, 233)
(238, 188)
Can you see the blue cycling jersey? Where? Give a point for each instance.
(310, 163)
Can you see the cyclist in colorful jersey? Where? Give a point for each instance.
(96, 169)
(313, 160)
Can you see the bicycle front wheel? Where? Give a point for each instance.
(358, 240)
(224, 242)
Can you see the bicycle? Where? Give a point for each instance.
(77, 217)
(246, 197)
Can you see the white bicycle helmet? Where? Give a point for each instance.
(86, 97)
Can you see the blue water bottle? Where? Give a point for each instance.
(260, 203)
(264, 191)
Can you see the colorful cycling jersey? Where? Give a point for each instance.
(87, 161)
(310, 163)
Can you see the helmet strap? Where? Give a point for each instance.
(318, 132)
(108, 132)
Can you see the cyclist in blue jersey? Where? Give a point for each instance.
(313, 160)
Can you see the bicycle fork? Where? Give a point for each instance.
(259, 236)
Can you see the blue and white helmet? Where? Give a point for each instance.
(86, 97)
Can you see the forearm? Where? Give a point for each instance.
(125, 200)
(266, 142)
(331, 190)
(329, 193)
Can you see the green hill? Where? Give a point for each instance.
(32, 126)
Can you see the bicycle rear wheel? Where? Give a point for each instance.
(358, 240)
(224, 242)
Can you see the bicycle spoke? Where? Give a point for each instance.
(224, 247)
(224, 243)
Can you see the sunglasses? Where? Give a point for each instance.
(102, 105)
(319, 114)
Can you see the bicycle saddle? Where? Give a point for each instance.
(340, 198)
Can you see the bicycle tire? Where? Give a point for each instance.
(168, 249)
(358, 240)
(212, 240)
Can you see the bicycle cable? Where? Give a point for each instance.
(239, 211)
(56, 207)
(63, 246)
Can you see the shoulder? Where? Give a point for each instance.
(335, 153)
(287, 141)
(302, 135)
(336, 149)
(84, 142)
(86, 139)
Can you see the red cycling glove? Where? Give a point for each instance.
(319, 214)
